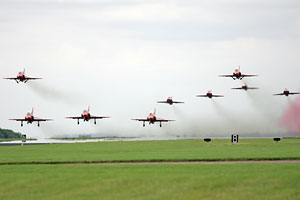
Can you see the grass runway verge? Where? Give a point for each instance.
(186, 181)
(152, 151)
(78, 178)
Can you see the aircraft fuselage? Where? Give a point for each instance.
(286, 92)
(209, 95)
(170, 101)
(86, 116)
(29, 119)
(151, 119)
(237, 75)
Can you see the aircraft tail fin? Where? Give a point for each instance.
(154, 111)
(32, 111)
(24, 71)
(89, 109)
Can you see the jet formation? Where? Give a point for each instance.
(210, 95)
(238, 75)
(151, 118)
(29, 118)
(86, 116)
(170, 101)
(22, 78)
(286, 92)
(245, 87)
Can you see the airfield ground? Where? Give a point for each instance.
(70, 171)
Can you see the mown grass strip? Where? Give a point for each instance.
(152, 151)
(149, 182)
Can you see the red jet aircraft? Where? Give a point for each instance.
(286, 92)
(170, 101)
(29, 118)
(22, 78)
(152, 119)
(245, 87)
(86, 116)
(237, 74)
(209, 95)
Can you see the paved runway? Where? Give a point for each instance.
(24, 143)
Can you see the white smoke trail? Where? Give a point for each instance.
(51, 93)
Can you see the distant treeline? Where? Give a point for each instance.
(6, 133)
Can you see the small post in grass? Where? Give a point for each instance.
(23, 137)
(234, 138)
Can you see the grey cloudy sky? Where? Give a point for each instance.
(121, 56)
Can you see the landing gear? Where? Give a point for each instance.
(143, 124)
(78, 121)
(95, 121)
(160, 124)
(21, 123)
(38, 124)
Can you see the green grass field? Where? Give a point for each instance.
(158, 181)
(152, 151)
(36, 180)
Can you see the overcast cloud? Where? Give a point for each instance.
(120, 57)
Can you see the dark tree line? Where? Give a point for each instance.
(6, 133)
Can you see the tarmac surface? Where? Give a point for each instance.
(24, 143)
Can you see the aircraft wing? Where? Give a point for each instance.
(292, 93)
(162, 102)
(204, 95)
(18, 119)
(11, 78)
(278, 94)
(217, 95)
(238, 88)
(144, 120)
(163, 120)
(248, 75)
(31, 78)
(253, 88)
(98, 117)
(41, 120)
(74, 117)
(178, 102)
(226, 76)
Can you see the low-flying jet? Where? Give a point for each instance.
(152, 119)
(29, 118)
(22, 78)
(245, 87)
(237, 74)
(286, 92)
(170, 101)
(210, 95)
(86, 116)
